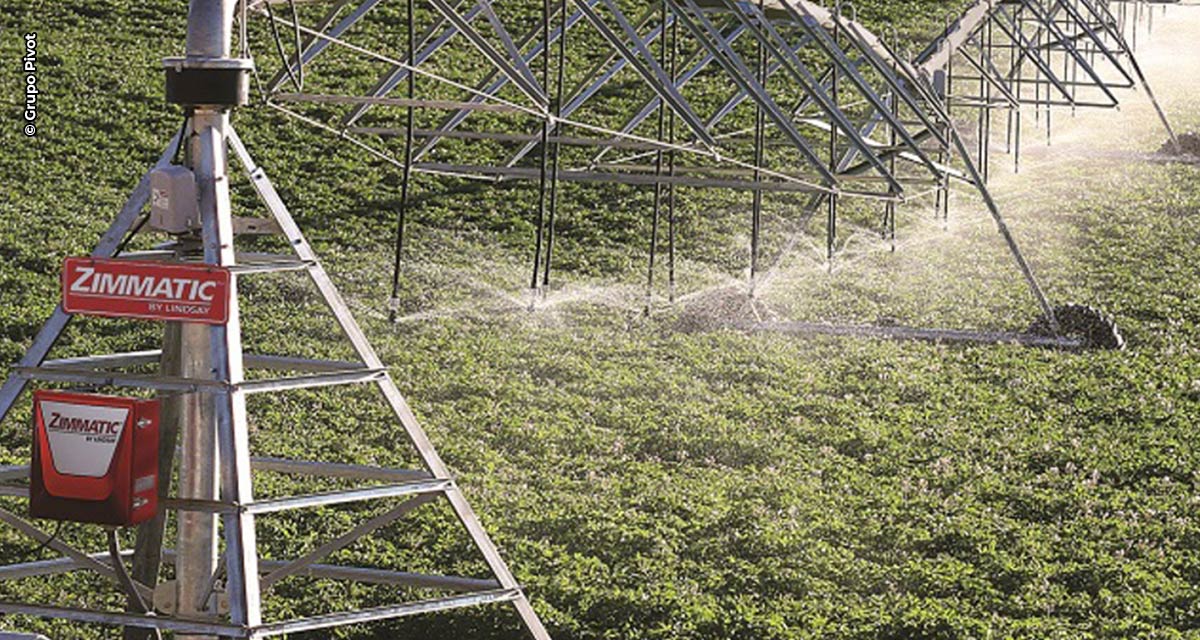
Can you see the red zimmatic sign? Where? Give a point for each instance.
(147, 290)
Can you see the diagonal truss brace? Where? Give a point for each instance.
(773, 42)
(614, 64)
(518, 76)
(648, 67)
(494, 82)
(710, 38)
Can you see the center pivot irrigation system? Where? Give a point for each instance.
(836, 113)
(809, 103)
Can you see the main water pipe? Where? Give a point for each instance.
(209, 36)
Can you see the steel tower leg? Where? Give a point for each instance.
(387, 387)
(108, 246)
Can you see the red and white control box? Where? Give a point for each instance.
(95, 458)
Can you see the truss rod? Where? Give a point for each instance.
(696, 63)
(709, 37)
(846, 66)
(769, 38)
(495, 81)
(431, 168)
(574, 175)
(518, 107)
(648, 68)
(531, 89)
(614, 64)
(392, 102)
(429, 46)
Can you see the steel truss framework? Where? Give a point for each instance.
(837, 113)
(1003, 55)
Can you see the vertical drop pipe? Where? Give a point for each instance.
(986, 129)
(889, 215)
(658, 164)
(543, 176)
(1072, 64)
(1017, 112)
(406, 176)
(1015, 88)
(831, 214)
(1043, 33)
(1037, 83)
(943, 212)
(759, 157)
(671, 222)
(209, 35)
(556, 109)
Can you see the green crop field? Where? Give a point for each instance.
(649, 481)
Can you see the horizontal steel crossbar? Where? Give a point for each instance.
(309, 501)
(144, 621)
(352, 495)
(284, 465)
(313, 381)
(252, 361)
(394, 102)
(335, 470)
(200, 627)
(387, 612)
(386, 577)
(198, 385)
(566, 175)
(271, 267)
(117, 379)
(114, 360)
(369, 575)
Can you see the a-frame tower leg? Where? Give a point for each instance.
(109, 243)
(416, 435)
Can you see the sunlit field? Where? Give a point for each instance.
(647, 476)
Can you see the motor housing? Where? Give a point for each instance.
(173, 204)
